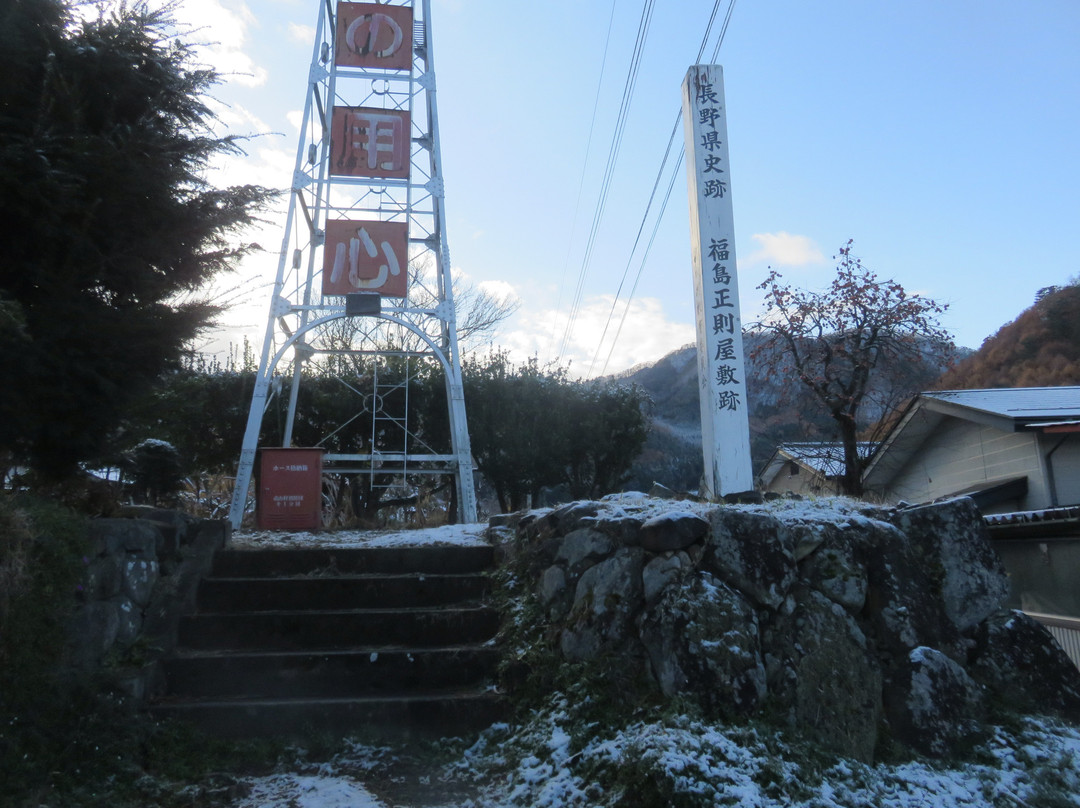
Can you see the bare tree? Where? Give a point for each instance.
(838, 340)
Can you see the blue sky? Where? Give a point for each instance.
(941, 135)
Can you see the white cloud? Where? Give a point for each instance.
(220, 31)
(785, 249)
(237, 118)
(501, 290)
(296, 118)
(647, 335)
(301, 33)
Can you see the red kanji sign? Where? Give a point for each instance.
(365, 257)
(370, 142)
(374, 35)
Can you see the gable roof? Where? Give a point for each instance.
(826, 459)
(1010, 409)
(1035, 403)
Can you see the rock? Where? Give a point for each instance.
(659, 491)
(181, 523)
(569, 517)
(750, 497)
(751, 552)
(837, 692)
(509, 520)
(136, 537)
(972, 581)
(139, 579)
(606, 600)
(932, 704)
(129, 621)
(1022, 664)
(903, 605)
(835, 568)
(103, 577)
(673, 530)
(702, 640)
(583, 547)
(625, 531)
(93, 632)
(808, 537)
(659, 572)
(552, 586)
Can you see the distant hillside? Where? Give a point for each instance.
(780, 410)
(1040, 348)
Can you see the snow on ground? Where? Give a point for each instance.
(687, 762)
(692, 763)
(298, 791)
(457, 535)
(836, 510)
(840, 511)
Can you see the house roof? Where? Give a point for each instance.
(826, 459)
(1011, 409)
(1033, 403)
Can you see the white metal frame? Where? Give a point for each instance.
(299, 315)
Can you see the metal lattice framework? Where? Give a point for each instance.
(304, 322)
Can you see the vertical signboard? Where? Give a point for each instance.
(370, 142)
(374, 35)
(725, 428)
(289, 491)
(365, 257)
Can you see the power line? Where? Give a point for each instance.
(652, 196)
(609, 170)
(584, 168)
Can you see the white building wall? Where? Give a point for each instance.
(1066, 464)
(960, 454)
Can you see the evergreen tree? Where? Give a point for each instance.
(113, 227)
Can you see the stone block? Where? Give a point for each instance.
(702, 640)
(661, 571)
(932, 703)
(753, 553)
(971, 579)
(135, 537)
(606, 600)
(129, 621)
(93, 632)
(139, 579)
(674, 530)
(582, 548)
(1021, 663)
(103, 577)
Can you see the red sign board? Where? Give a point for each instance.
(365, 257)
(374, 35)
(370, 142)
(290, 489)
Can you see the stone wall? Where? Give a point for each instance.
(853, 623)
(141, 573)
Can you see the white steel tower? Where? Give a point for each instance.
(364, 269)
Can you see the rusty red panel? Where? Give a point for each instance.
(289, 495)
(370, 142)
(366, 257)
(374, 35)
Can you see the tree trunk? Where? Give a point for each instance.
(851, 482)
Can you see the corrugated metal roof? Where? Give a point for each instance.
(825, 458)
(1016, 402)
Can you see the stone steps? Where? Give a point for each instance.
(344, 592)
(312, 630)
(385, 641)
(428, 713)
(330, 674)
